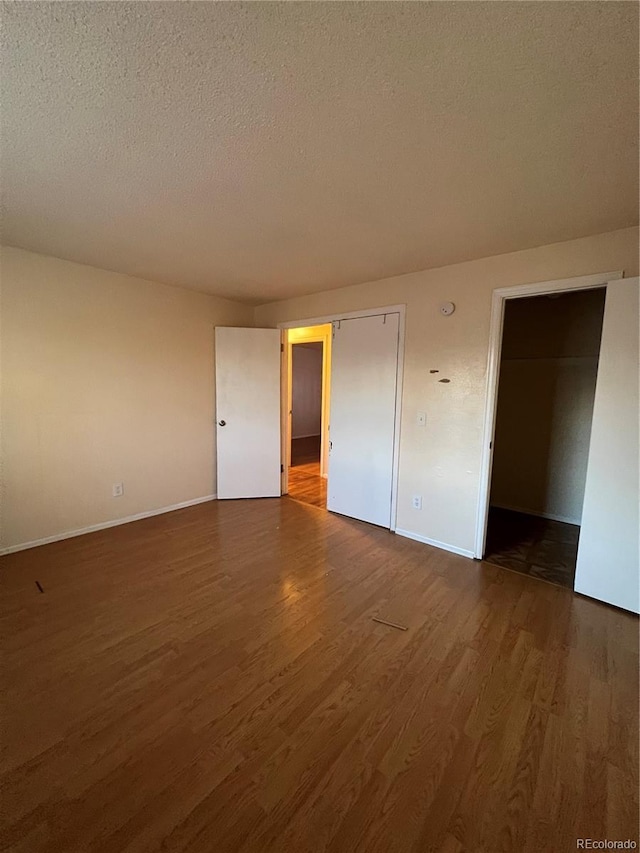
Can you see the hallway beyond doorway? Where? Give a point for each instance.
(305, 483)
(305, 451)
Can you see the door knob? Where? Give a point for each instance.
(222, 423)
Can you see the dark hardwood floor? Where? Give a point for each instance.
(212, 680)
(535, 546)
(305, 483)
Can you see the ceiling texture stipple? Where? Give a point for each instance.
(264, 150)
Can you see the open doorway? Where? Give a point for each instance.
(362, 365)
(308, 404)
(546, 391)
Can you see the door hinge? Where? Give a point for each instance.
(282, 469)
(281, 347)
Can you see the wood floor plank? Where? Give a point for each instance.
(212, 679)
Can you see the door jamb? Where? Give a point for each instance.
(353, 315)
(498, 299)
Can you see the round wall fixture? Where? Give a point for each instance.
(447, 308)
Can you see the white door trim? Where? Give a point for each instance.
(373, 312)
(498, 299)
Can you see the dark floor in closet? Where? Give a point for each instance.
(532, 545)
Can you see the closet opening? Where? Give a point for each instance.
(546, 391)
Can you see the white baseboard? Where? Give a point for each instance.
(69, 534)
(548, 515)
(463, 552)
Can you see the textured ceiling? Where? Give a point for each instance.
(262, 150)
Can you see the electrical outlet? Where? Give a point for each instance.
(416, 503)
(118, 490)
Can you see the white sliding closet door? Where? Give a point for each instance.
(364, 375)
(608, 565)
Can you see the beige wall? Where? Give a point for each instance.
(545, 403)
(442, 461)
(108, 378)
(105, 378)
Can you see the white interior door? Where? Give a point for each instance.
(608, 565)
(364, 368)
(248, 412)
